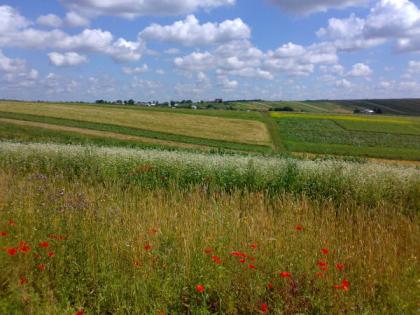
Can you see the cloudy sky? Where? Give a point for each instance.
(202, 49)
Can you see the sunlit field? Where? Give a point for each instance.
(200, 126)
(389, 137)
(115, 231)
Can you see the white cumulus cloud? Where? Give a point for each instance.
(360, 70)
(190, 32)
(67, 59)
(74, 19)
(389, 20)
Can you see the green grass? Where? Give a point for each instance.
(274, 132)
(380, 137)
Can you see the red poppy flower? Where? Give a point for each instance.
(12, 251)
(270, 286)
(208, 250)
(216, 259)
(3, 233)
(242, 260)
(41, 267)
(264, 308)
(51, 254)
(325, 251)
(340, 267)
(285, 274)
(80, 312)
(251, 266)
(200, 288)
(148, 247)
(345, 285)
(323, 265)
(299, 228)
(253, 246)
(23, 280)
(24, 248)
(11, 222)
(44, 244)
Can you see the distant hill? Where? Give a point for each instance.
(410, 107)
(406, 107)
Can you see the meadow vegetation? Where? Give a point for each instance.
(121, 231)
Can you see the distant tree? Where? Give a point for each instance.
(378, 110)
(130, 102)
(282, 109)
(119, 102)
(356, 111)
(100, 102)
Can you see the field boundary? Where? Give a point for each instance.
(274, 132)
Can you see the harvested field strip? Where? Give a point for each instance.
(102, 134)
(207, 127)
(136, 132)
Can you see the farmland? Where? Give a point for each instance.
(262, 132)
(206, 127)
(386, 136)
(103, 210)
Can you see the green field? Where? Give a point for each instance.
(370, 136)
(272, 133)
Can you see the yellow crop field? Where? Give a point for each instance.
(218, 128)
(378, 119)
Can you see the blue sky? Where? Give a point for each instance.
(74, 50)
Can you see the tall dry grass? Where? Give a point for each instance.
(130, 250)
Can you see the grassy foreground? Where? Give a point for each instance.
(114, 231)
(136, 251)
